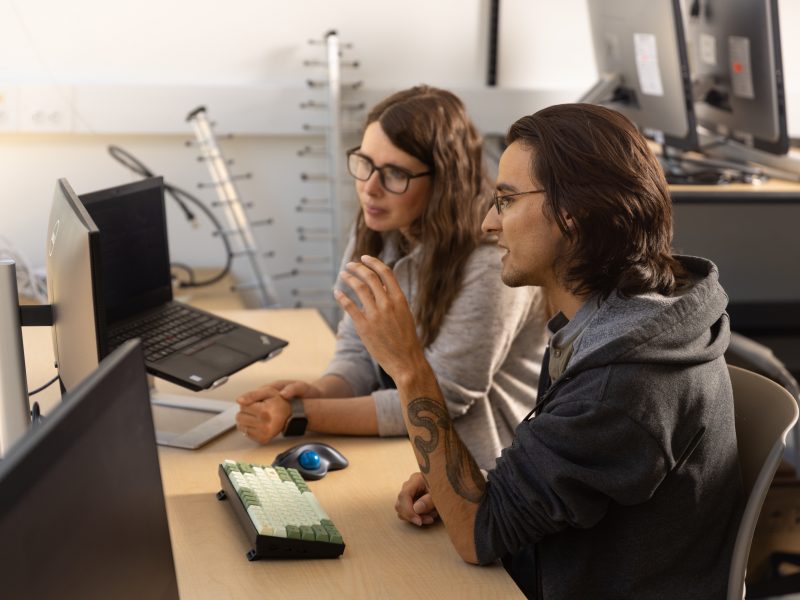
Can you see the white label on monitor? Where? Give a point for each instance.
(708, 49)
(741, 71)
(647, 64)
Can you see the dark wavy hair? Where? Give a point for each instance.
(432, 125)
(595, 166)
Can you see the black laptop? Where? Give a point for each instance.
(182, 344)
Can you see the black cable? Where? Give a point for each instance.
(181, 197)
(176, 192)
(42, 387)
(138, 167)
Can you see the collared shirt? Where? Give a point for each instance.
(566, 335)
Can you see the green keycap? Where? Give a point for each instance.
(307, 533)
(320, 534)
(293, 531)
(282, 474)
(336, 538)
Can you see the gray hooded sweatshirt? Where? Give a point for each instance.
(626, 482)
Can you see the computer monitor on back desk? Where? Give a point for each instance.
(82, 511)
(643, 68)
(736, 66)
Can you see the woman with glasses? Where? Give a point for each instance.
(423, 193)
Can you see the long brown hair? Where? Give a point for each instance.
(596, 167)
(432, 125)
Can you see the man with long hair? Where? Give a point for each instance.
(423, 191)
(623, 482)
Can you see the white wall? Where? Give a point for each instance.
(148, 63)
(132, 70)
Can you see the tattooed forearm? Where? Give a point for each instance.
(462, 472)
(415, 410)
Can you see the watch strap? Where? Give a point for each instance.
(297, 421)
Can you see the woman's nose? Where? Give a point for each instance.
(373, 185)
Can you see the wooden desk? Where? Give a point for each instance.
(384, 557)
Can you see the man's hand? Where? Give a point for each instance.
(264, 411)
(414, 502)
(384, 323)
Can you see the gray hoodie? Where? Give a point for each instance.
(626, 482)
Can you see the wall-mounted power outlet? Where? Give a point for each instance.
(8, 109)
(45, 109)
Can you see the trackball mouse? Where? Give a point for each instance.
(312, 459)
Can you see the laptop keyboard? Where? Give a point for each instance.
(170, 330)
(280, 515)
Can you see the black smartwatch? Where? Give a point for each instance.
(297, 422)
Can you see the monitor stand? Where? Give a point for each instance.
(224, 418)
(779, 166)
(14, 409)
(681, 168)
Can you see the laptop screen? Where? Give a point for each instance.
(133, 246)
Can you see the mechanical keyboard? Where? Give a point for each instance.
(278, 512)
(174, 328)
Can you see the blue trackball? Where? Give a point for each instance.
(309, 460)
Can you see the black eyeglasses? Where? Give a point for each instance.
(502, 202)
(394, 179)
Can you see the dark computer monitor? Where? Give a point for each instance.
(641, 58)
(737, 71)
(73, 285)
(82, 512)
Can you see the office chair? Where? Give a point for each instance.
(748, 354)
(764, 413)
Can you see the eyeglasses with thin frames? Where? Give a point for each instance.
(501, 202)
(394, 179)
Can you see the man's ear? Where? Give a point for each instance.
(568, 222)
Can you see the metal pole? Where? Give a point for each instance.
(334, 145)
(14, 410)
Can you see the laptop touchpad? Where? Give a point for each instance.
(220, 356)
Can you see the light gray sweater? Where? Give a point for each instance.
(487, 356)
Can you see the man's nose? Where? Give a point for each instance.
(492, 221)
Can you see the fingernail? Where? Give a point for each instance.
(417, 521)
(419, 506)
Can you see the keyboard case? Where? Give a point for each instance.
(267, 546)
